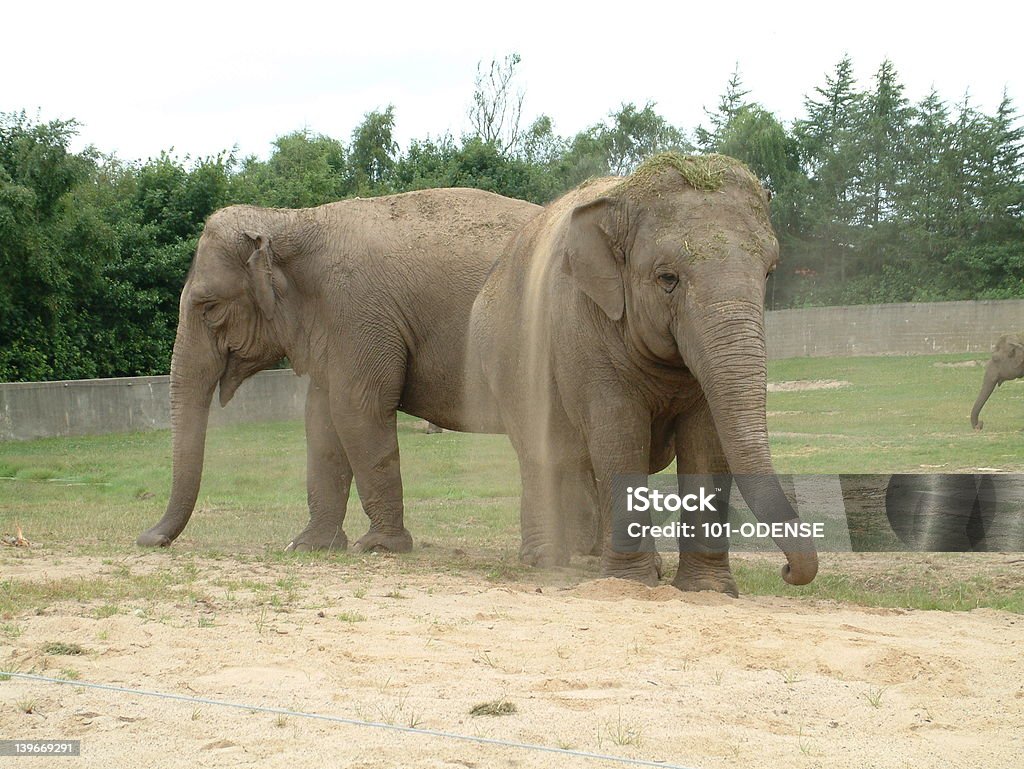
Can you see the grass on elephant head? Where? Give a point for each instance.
(94, 494)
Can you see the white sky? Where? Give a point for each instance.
(203, 77)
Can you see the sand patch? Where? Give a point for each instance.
(763, 681)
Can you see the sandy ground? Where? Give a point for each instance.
(605, 666)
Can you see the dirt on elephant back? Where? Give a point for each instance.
(609, 667)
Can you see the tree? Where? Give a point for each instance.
(829, 155)
(756, 137)
(442, 163)
(987, 164)
(881, 142)
(497, 110)
(729, 105)
(43, 279)
(540, 144)
(632, 136)
(373, 151)
(635, 135)
(304, 170)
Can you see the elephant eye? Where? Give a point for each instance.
(212, 313)
(668, 281)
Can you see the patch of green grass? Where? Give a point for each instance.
(874, 696)
(17, 596)
(62, 648)
(351, 616)
(28, 706)
(888, 588)
(461, 494)
(623, 733)
(898, 414)
(500, 707)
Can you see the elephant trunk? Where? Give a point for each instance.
(728, 358)
(196, 366)
(987, 386)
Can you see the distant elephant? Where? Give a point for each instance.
(371, 298)
(1006, 363)
(624, 327)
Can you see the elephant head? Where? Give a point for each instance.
(230, 326)
(678, 255)
(1007, 363)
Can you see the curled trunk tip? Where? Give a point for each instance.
(801, 568)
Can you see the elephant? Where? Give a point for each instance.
(371, 298)
(1006, 363)
(624, 327)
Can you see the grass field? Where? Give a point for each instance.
(92, 495)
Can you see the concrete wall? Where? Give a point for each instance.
(95, 406)
(43, 409)
(892, 329)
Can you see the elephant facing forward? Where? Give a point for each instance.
(371, 298)
(624, 326)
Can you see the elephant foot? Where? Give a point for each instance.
(638, 567)
(377, 541)
(543, 556)
(322, 538)
(696, 574)
(154, 537)
(587, 543)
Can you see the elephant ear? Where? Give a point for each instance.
(592, 257)
(260, 267)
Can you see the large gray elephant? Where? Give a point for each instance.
(1006, 363)
(623, 327)
(371, 298)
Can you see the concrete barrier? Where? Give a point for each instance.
(891, 329)
(131, 404)
(95, 406)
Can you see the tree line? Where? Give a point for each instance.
(875, 199)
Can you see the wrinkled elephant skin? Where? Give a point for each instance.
(371, 298)
(624, 327)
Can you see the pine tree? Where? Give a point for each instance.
(829, 156)
(729, 105)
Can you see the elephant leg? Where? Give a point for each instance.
(559, 513)
(366, 421)
(543, 531)
(579, 510)
(618, 440)
(703, 566)
(328, 478)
